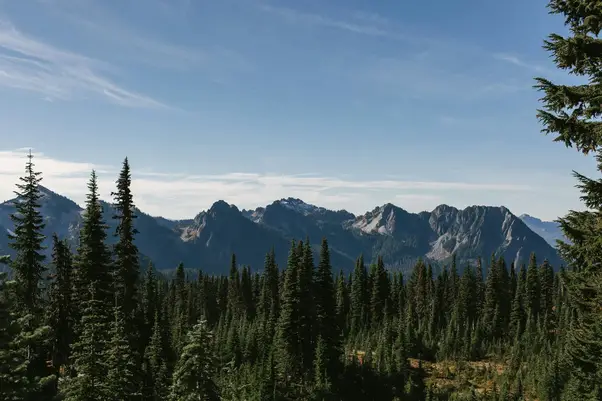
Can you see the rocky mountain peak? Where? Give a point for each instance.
(297, 205)
(400, 237)
(222, 209)
(380, 220)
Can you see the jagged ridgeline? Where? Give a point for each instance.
(399, 237)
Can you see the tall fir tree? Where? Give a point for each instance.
(88, 382)
(27, 241)
(234, 295)
(572, 113)
(358, 296)
(29, 270)
(61, 303)
(325, 303)
(93, 261)
(194, 376)
(179, 315)
(127, 265)
(306, 304)
(15, 382)
(150, 303)
(155, 364)
(286, 341)
(122, 374)
(379, 290)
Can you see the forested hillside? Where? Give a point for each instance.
(102, 331)
(87, 325)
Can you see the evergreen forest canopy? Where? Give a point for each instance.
(87, 325)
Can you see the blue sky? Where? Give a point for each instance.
(343, 103)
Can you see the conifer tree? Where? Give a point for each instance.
(306, 304)
(358, 296)
(61, 307)
(572, 113)
(179, 316)
(246, 292)
(127, 265)
(149, 302)
(532, 288)
(121, 363)
(29, 269)
(89, 379)
(194, 376)
(28, 261)
(342, 302)
(15, 383)
(491, 298)
(286, 342)
(518, 314)
(93, 261)
(326, 322)
(234, 296)
(155, 364)
(321, 377)
(269, 298)
(379, 290)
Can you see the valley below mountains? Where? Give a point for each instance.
(208, 240)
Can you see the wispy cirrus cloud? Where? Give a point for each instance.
(519, 62)
(183, 195)
(128, 42)
(30, 64)
(428, 67)
(362, 23)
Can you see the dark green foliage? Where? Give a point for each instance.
(93, 261)
(127, 266)
(121, 363)
(286, 342)
(572, 113)
(193, 378)
(14, 381)
(326, 319)
(28, 263)
(89, 380)
(359, 296)
(28, 270)
(61, 303)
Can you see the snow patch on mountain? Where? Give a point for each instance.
(368, 224)
(381, 220)
(299, 206)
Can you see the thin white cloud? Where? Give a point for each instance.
(29, 64)
(128, 43)
(182, 196)
(429, 67)
(513, 59)
(368, 24)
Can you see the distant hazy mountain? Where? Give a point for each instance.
(548, 230)
(208, 240)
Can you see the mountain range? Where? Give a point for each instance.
(548, 230)
(208, 240)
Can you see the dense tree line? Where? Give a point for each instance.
(86, 325)
(89, 326)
